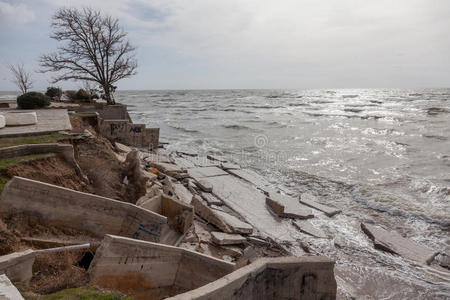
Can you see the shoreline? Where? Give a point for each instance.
(243, 196)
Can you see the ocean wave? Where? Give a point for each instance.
(353, 110)
(235, 126)
(181, 128)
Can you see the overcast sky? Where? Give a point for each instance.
(212, 44)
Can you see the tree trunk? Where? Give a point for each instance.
(108, 95)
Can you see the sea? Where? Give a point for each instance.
(382, 156)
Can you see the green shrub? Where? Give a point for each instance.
(33, 100)
(83, 95)
(54, 92)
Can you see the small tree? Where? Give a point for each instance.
(94, 49)
(21, 77)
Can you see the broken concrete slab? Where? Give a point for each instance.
(258, 241)
(296, 278)
(151, 270)
(235, 225)
(182, 193)
(198, 173)
(65, 207)
(306, 227)
(249, 203)
(18, 265)
(7, 290)
(393, 242)
(187, 152)
(168, 168)
(217, 158)
(229, 166)
(287, 207)
(250, 176)
(311, 201)
(221, 238)
(204, 185)
(202, 209)
(183, 162)
(211, 199)
(222, 220)
(202, 161)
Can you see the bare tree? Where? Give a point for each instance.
(94, 48)
(21, 77)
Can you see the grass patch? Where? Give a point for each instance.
(81, 293)
(41, 139)
(6, 163)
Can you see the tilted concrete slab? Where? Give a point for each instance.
(222, 238)
(66, 207)
(198, 173)
(151, 270)
(296, 278)
(393, 242)
(250, 203)
(49, 121)
(204, 185)
(236, 225)
(306, 227)
(286, 206)
(7, 290)
(222, 220)
(202, 209)
(311, 201)
(229, 166)
(211, 199)
(18, 265)
(201, 161)
(251, 176)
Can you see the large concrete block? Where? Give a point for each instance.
(98, 215)
(273, 278)
(124, 131)
(20, 118)
(18, 265)
(152, 270)
(2, 121)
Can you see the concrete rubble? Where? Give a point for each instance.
(393, 242)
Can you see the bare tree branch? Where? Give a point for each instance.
(94, 48)
(21, 77)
